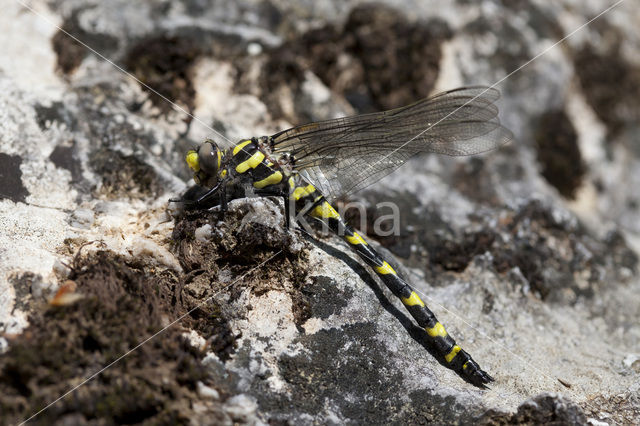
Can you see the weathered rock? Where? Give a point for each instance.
(529, 255)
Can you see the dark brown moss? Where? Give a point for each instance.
(610, 84)
(236, 246)
(550, 253)
(558, 152)
(124, 175)
(545, 409)
(122, 305)
(456, 255)
(377, 60)
(164, 64)
(70, 53)
(399, 61)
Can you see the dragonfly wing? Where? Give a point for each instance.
(345, 175)
(347, 154)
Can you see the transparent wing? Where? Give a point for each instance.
(347, 154)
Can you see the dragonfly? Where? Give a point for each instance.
(312, 164)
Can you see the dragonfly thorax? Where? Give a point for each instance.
(284, 160)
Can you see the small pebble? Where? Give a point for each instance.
(254, 49)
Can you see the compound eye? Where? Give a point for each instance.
(209, 157)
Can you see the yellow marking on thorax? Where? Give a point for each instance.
(272, 179)
(355, 239)
(385, 269)
(240, 146)
(413, 300)
(251, 163)
(454, 351)
(437, 330)
(301, 191)
(325, 211)
(223, 173)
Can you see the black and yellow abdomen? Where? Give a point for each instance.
(307, 197)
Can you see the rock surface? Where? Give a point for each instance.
(529, 255)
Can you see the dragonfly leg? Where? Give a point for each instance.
(209, 194)
(223, 200)
(204, 201)
(287, 211)
(198, 197)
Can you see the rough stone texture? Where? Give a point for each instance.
(529, 255)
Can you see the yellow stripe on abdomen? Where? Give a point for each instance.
(325, 211)
(303, 191)
(437, 330)
(413, 300)
(385, 269)
(355, 239)
(272, 179)
(454, 351)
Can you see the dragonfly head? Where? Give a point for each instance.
(205, 162)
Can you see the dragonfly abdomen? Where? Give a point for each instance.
(308, 198)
